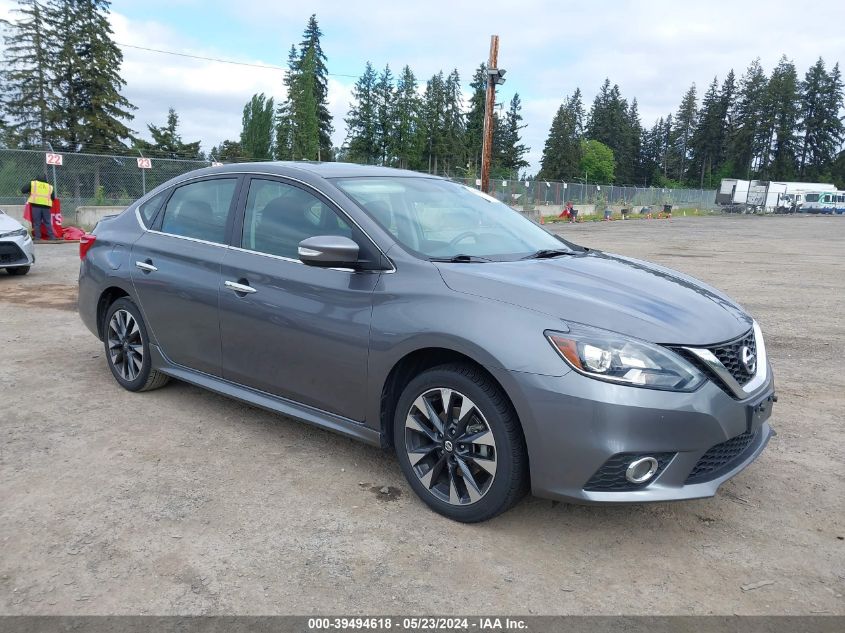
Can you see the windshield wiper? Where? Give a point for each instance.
(461, 259)
(547, 253)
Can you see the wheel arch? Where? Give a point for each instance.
(412, 364)
(107, 297)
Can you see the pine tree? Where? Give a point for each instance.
(305, 113)
(27, 75)
(453, 148)
(475, 117)
(747, 118)
(228, 152)
(91, 112)
(405, 140)
(257, 130)
(284, 114)
(821, 100)
(384, 96)
(311, 42)
(511, 157)
(362, 120)
(682, 131)
(562, 152)
(610, 124)
(167, 142)
(705, 144)
(634, 145)
(780, 161)
(434, 106)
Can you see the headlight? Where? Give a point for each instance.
(18, 233)
(617, 358)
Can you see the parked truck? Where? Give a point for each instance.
(767, 196)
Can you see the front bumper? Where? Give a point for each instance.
(574, 424)
(16, 251)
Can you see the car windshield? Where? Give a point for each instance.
(439, 219)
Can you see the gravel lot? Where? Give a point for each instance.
(181, 501)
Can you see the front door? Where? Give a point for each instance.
(176, 272)
(289, 329)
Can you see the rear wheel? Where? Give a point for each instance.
(459, 443)
(18, 270)
(127, 348)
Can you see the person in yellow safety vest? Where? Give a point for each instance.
(41, 196)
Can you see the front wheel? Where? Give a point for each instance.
(127, 348)
(460, 444)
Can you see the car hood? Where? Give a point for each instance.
(608, 291)
(8, 223)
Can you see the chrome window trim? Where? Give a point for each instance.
(298, 181)
(185, 237)
(759, 378)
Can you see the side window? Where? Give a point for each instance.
(200, 209)
(279, 216)
(151, 207)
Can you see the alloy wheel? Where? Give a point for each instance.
(126, 347)
(450, 446)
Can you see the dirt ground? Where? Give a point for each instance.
(180, 501)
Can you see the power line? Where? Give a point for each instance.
(217, 59)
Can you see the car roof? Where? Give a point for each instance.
(321, 169)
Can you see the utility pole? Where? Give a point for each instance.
(494, 76)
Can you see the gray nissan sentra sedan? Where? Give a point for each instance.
(423, 316)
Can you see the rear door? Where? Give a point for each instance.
(293, 330)
(176, 271)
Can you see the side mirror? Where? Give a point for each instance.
(328, 251)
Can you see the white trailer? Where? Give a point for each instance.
(732, 192)
(765, 195)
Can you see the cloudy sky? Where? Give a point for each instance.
(653, 49)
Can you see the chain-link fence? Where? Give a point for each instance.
(86, 179)
(540, 193)
(103, 180)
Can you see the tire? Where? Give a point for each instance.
(459, 479)
(18, 270)
(127, 348)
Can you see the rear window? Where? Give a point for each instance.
(149, 208)
(199, 210)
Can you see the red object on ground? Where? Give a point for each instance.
(72, 233)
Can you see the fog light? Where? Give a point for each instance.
(641, 470)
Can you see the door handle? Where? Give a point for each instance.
(147, 266)
(233, 285)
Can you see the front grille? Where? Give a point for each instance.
(611, 476)
(730, 356)
(10, 253)
(720, 458)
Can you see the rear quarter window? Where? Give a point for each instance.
(149, 208)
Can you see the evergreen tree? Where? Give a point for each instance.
(405, 140)
(362, 120)
(228, 152)
(27, 75)
(305, 112)
(611, 125)
(319, 84)
(257, 130)
(453, 147)
(475, 117)
(91, 112)
(434, 106)
(511, 158)
(562, 152)
(779, 161)
(284, 113)
(821, 100)
(746, 116)
(706, 140)
(682, 131)
(384, 96)
(167, 142)
(634, 146)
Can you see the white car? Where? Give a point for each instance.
(16, 253)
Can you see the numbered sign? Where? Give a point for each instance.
(145, 163)
(54, 159)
